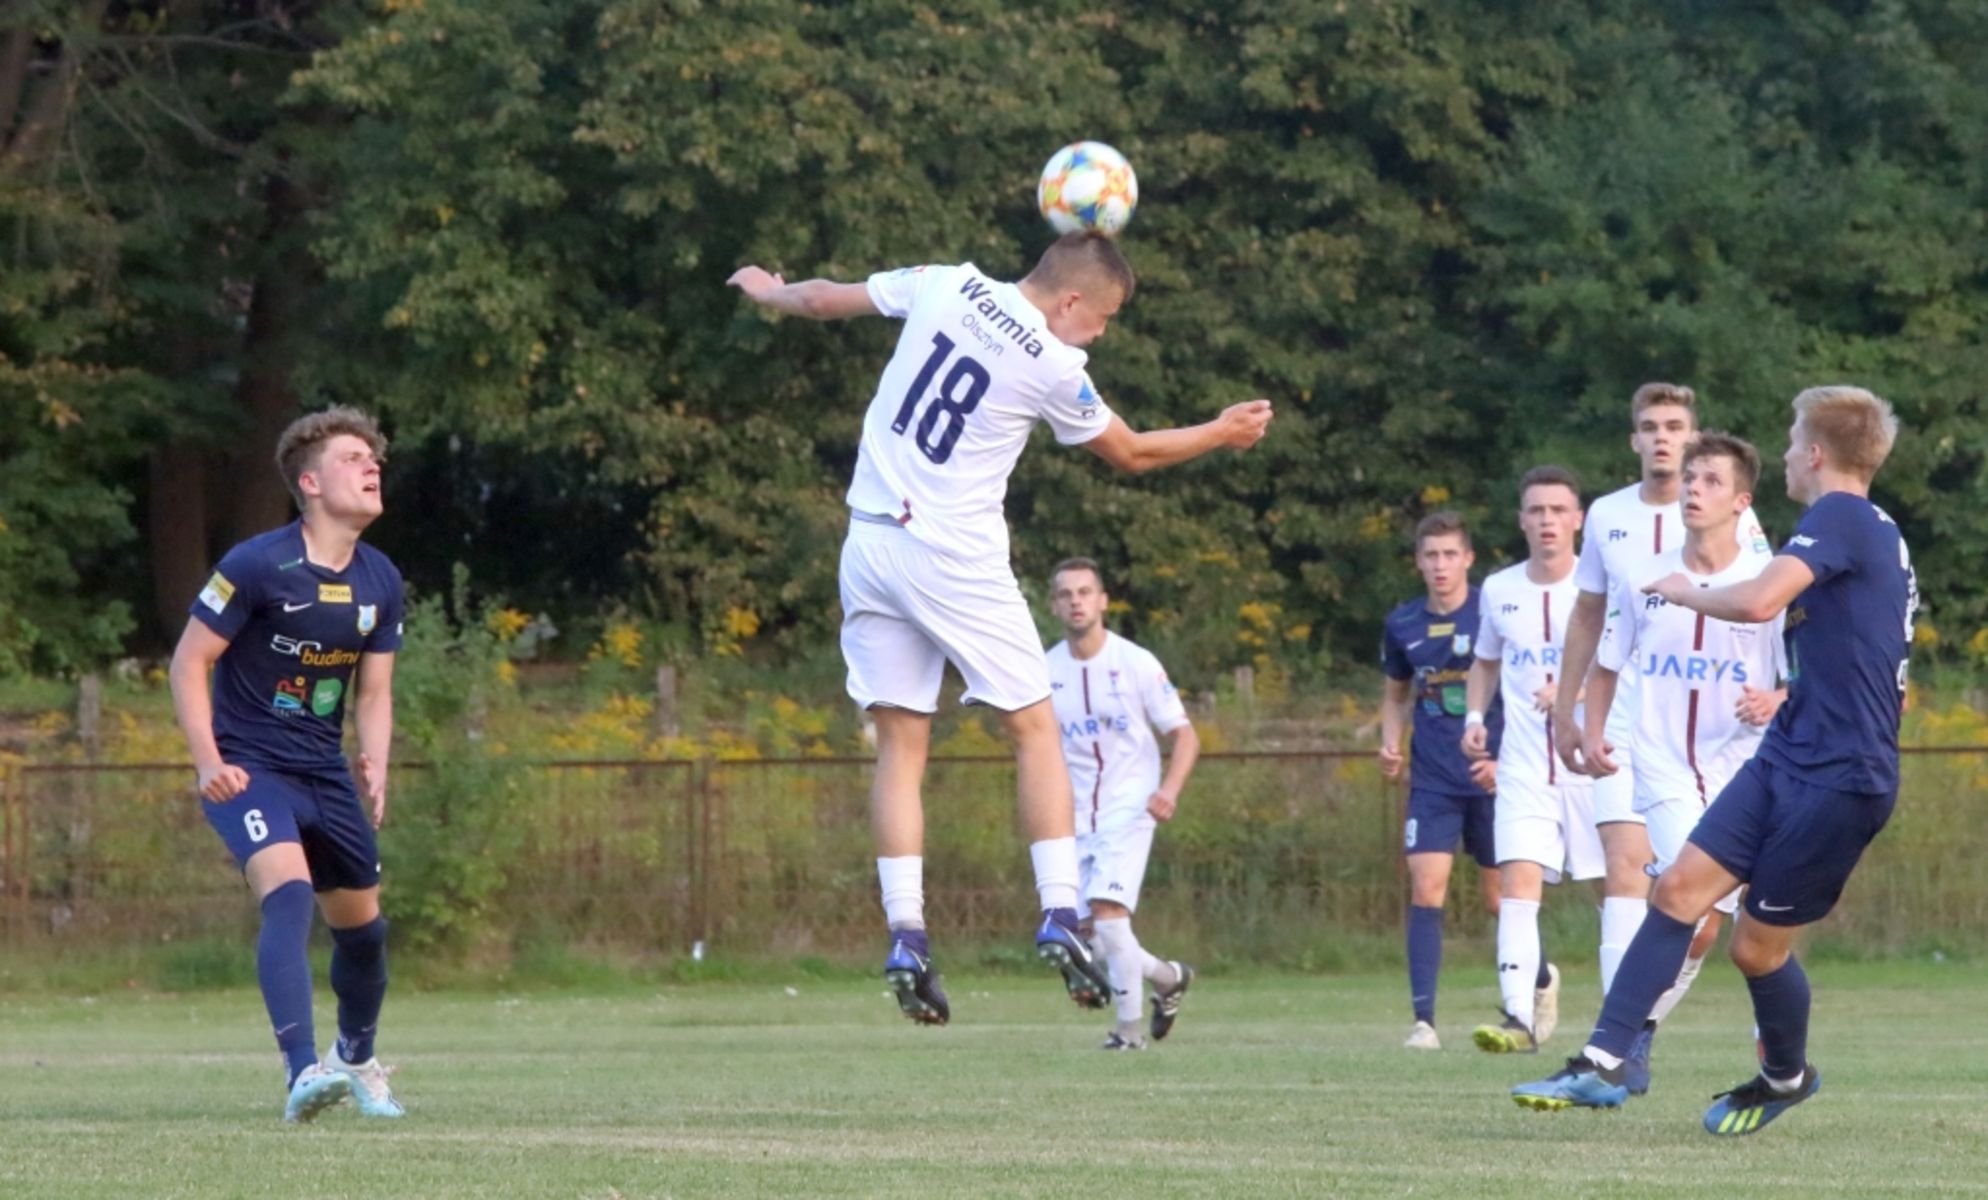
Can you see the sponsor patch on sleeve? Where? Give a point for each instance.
(217, 593)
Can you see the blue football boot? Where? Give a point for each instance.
(1751, 1105)
(315, 1089)
(910, 975)
(1579, 1084)
(1636, 1063)
(1059, 943)
(368, 1081)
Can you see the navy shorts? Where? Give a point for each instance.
(320, 813)
(1437, 819)
(1793, 844)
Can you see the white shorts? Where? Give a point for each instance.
(1615, 795)
(1549, 824)
(1671, 822)
(1111, 864)
(907, 611)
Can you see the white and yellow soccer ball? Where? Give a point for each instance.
(1087, 187)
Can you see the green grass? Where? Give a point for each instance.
(1272, 1085)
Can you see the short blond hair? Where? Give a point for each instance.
(1855, 428)
(1650, 395)
(301, 447)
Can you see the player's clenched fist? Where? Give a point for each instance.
(1243, 425)
(222, 782)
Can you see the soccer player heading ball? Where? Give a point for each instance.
(925, 577)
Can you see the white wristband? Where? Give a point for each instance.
(1472, 719)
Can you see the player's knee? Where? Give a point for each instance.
(1755, 958)
(363, 943)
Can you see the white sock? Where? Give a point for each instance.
(1621, 917)
(1127, 962)
(1518, 955)
(903, 881)
(1055, 862)
(1161, 974)
(1601, 1058)
(1675, 992)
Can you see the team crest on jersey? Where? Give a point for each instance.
(369, 616)
(1460, 645)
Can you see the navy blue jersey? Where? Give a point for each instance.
(1848, 635)
(295, 632)
(1434, 652)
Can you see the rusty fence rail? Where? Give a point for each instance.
(772, 856)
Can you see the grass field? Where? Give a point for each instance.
(1274, 1085)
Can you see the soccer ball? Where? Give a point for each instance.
(1087, 187)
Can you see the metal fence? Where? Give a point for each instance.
(773, 856)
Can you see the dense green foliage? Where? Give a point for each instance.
(1447, 239)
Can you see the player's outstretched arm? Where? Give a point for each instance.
(1750, 602)
(1238, 428)
(815, 299)
(193, 659)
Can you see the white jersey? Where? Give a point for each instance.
(1109, 706)
(1622, 536)
(1523, 626)
(1688, 741)
(974, 370)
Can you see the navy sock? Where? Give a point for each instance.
(1648, 969)
(283, 967)
(1781, 1009)
(915, 940)
(359, 977)
(1544, 977)
(1425, 958)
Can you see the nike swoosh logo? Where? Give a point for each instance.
(1763, 906)
(1415, 643)
(286, 1028)
(289, 607)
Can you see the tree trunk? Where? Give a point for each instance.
(176, 532)
(260, 498)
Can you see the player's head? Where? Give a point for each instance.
(1077, 595)
(1663, 418)
(1079, 283)
(1839, 428)
(1443, 553)
(1720, 472)
(1549, 510)
(331, 460)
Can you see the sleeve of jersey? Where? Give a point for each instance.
(231, 594)
(1824, 541)
(1394, 660)
(1590, 572)
(894, 292)
(386, 635)
(1075, 410)
(1163, 706)
(1618, 633)
(1490, 643)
